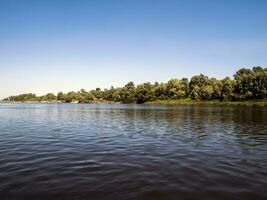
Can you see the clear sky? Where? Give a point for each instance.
(63, 45)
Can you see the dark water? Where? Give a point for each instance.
(132, 152)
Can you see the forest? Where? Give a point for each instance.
(246, 84)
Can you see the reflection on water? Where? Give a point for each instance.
(132, 152)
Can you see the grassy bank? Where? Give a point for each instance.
(192, 102)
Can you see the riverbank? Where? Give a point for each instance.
(60, 102)
(192, 102)
(162, 102)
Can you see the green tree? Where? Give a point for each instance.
(247, 84)
(216, 87)
(160, 91)
(61, 96)
(259, 83)
(49, 97)
(251, 84)
(244, 84)
(175, 89)
(128, 93)
(227, 92)
(198, 89)
(145, 92)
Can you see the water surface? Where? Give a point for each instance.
(67, 151)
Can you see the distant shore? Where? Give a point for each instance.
(161, 102)
(248, 88)
(192, 102)
(61, 102)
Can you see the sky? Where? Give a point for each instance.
(65, 45)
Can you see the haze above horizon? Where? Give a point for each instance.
(63, 45)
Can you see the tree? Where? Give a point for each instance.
(185, 83)
(127, 93)
(227, 92)
(97, 93)
(145, 92)
(198, 88)
(251, 84)
(61, 96)
(175, 89)
(48, 97)
(89, 97)
(244, 84)
(260, 83)
(206, 92)
(160, 91)
(247, 84)
(216, 87)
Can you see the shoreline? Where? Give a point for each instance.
(260, 103)
(215, 103)
(58, 102)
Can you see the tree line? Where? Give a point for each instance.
(246, 84)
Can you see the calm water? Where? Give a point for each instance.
(132, 152)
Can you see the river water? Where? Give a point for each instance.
(75, 151)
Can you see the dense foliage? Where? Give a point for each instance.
(248, 84)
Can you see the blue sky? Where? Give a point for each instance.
(61, 45)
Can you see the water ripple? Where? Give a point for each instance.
(132, 152)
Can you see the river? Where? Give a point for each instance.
(79, 151)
